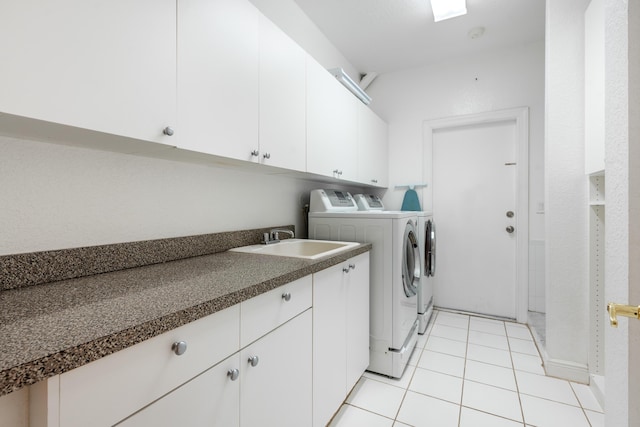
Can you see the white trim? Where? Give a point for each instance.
(521, 117)
(596, 383)
(566, 370)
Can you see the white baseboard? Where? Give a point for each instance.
(597, 387)
(566, 370)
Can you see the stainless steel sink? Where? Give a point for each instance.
(299, 248)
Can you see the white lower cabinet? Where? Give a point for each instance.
(106, 391)
(340, 334)
(287, 357)
(277, 391)
(274, 392)
(211, 399)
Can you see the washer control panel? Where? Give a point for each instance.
(331, 201)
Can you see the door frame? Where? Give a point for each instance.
(521, 117)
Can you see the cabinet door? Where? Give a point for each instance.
(277, 391)
(594, 88)
(105, 65)
(329, 342)
(372, 148)
(357, 323)
(282, 99)
(332, 130)
(93, 394)
(212, 399)
(218, 77)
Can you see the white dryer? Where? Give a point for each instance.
(427, 237)
(395, 271)
(427, 241)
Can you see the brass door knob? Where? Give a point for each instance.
(622, 310)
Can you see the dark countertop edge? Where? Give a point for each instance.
(16, 377)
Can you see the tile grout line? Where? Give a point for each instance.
(515, 377)
(464, 371)
(580, 403)
(415, 368)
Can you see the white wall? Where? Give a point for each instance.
(622, 239)
(567, 288)
(287, 15)
(57, 196)
(503, 79)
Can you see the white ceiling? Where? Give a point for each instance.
(388, 35)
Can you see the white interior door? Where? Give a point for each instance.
(474, 189)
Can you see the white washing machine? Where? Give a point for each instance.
(395, 271)
(427, 241)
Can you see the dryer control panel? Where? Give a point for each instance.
(369, 202)
(331, 201)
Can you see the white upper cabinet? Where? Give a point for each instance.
(218, 77)
(104, 65)
(282, 140)
(332, 125)
(372, 148)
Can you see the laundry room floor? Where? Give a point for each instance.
(470, 371)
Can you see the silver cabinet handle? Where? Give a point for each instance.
(168, 131)
(375, 181)
(352, 266)
(286, 296)
(267, 155)
(179, 347)
(253, 360)
(345, 269)
(255, 153)
(510, 229)
(233, 374)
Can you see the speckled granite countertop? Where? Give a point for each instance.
(52, 328)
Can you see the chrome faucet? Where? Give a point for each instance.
(274, 237)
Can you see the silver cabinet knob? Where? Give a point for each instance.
(267, 155)
(510, 214)
(253, 360)
(345, 269)
(375, 181)
(352, 266)
(168, 131)
(255, 153)
(286, 296)
(179, 347)
(510, 229)
(233, 374)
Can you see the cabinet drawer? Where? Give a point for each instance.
(266, 312)
(107, 390)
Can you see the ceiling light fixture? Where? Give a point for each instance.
(445, 9)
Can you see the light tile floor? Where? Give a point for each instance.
(469, 371)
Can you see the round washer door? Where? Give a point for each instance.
(410, 261)
(430, 253)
